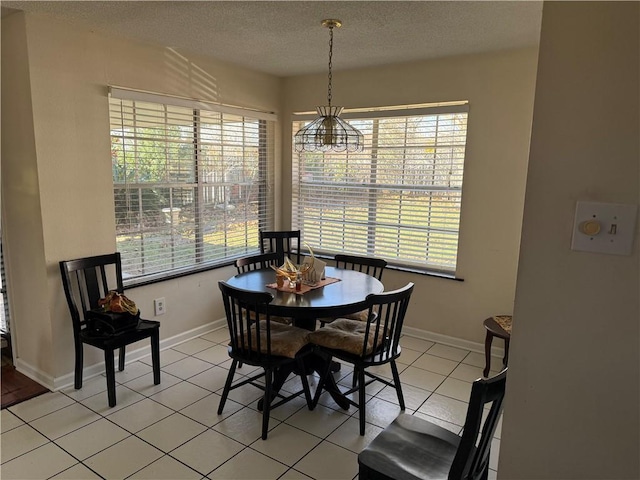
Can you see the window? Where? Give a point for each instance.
(190, 182)
(399, 199)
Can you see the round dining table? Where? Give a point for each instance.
(346, 295)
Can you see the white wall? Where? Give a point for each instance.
(572, 408)
(57, 188)
(499, 88)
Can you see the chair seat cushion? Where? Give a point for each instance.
(286, 340)
(411, 448)
(346, 335)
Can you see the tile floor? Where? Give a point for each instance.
(172, 431)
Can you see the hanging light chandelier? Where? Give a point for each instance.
(328, 131)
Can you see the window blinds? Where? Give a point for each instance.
(399, 199)
(191, 184)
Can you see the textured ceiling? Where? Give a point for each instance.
(285, 38)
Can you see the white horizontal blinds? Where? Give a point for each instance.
(190, 185)
(398, 199)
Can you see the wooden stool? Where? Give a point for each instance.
(497, 326)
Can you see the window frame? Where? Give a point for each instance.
(263, 146)
(361, 115)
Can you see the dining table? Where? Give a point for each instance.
(339, 293)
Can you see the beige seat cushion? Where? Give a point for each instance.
(345, 334)
(361, 316)
(286, 340)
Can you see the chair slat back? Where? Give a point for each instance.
(286, 243)
(248, 321)
(87, 280)
(369, 265)
(257, 262)
(472, 455)
(387, 310)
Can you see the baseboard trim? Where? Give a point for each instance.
(66, 380)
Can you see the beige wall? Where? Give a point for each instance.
(57, 188)
(572, 409)
(499, 88)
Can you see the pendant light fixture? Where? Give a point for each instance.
(329, 132)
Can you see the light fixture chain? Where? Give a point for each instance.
(330, 64)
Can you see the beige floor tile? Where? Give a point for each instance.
(435, 364)
(180, 395)
(454, 388)
(215, 354)
(92, 438)
(167, 357)
(445, 351)
(445, 408)
(244, 426)
(205, 410)
(41, 405)
(43, 462)
(245, 395)
(90, 387)
(65, 420)
(474, 358)
(291, 407)
(495, 454)
(420, 378)
(124, 397)
(131, 371)
(408, 356)
(166, 468)
(191, 347)
(343, 463)
(20, 440)
(124, 458)
(187, 367)
(467, 373)
(144, 384)
(413, 396)
(348, 435)
(379, 412)
(413, 343)
(293, 474)
(77, 472)
(249, 465)
(220, 335)
(9, 421)
(140, 415)
(286, 444)
(171, 432)
(207, 451)
(319, 422)
(212, 379)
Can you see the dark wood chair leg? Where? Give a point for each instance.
(305, 384)
(396, 382)
(79, 365)
(121, 354)
(111, 376)
(155, 357)
(227, 386)
(487, 353)
(266, 406)
(361, 399)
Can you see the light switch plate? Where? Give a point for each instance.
(614, 225)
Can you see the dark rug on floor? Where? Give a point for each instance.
(17, 387)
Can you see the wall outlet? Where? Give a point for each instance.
(159, 306)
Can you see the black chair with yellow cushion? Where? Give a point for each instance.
(85, 281)
(412, 448)
(369, 265)
(286, 243)
(256, 340)
(366, 344)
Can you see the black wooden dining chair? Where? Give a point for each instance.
(85, 281)
(286, 243)
(256, 340)
(412, 448)
(257, 262)
(369, 265)
(366, 344)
